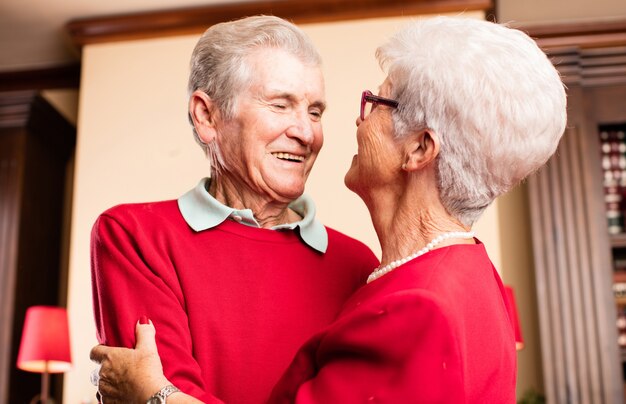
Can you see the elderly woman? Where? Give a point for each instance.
(468, 109)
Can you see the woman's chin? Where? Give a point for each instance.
(350, 179)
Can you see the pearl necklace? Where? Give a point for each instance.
(380, 271)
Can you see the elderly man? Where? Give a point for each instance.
(237, 273)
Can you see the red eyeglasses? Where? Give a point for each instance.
(370, 101)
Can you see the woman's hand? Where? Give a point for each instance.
(130, 375)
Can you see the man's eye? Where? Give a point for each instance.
(316, 114)
(279, 106)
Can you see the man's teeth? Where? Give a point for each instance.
(287, 156)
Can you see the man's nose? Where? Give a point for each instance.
(302, 128)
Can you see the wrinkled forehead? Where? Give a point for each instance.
(278, 71)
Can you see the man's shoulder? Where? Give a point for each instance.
(346, 245)
(339, 237)
(140, 208)
(146, 220)
(141, 212)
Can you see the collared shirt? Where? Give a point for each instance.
(202, 211)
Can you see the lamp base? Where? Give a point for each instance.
(37, 400)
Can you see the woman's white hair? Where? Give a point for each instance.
(219, 65)
(493, 97)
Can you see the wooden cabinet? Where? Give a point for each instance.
(36, 144)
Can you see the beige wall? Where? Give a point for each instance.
(537, 11)
(134, 144)
(518, 271)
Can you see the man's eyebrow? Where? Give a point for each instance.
(319, 104)
(289, 96)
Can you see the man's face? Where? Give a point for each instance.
(270, 145)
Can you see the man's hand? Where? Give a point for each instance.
(130, 375)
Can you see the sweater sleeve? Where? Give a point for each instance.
(127, 286)
(401, 349)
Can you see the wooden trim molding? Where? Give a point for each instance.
(41, 79)
(591, 67)
(15, 108)
(587, 53)
(195, 20)
(582, 34)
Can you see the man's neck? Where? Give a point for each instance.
(267, 211)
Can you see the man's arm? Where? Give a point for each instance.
(134, 375)
(126, 287)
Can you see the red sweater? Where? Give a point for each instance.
(231, 304)
(435, 330)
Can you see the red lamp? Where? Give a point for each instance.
(45, 346)
(513, 315)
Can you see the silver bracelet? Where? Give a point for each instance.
(160, 396)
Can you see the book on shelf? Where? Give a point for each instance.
(619, 292)
(613, 161)
(619, 275)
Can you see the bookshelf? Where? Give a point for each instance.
(612, 141)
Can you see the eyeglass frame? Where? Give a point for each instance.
(367, 96)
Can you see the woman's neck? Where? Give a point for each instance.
(408, 221)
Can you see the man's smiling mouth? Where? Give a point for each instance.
(288, 157)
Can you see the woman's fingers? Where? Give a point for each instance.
(98, 353)
(145, 337)
(129, 375)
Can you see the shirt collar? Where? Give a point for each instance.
(202, 211)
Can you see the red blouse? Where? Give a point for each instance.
(435, 330)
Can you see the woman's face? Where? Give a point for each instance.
(379, 158)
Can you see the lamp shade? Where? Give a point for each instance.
(45, 345)
(514, 316)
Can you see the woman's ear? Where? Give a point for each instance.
(420, 149)
(204, 115)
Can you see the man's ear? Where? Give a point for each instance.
(420, 149)
(204, 115)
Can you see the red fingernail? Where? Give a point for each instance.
(144, 320)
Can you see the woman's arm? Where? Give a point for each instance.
(134, 375)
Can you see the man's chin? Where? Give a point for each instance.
(289, 195)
